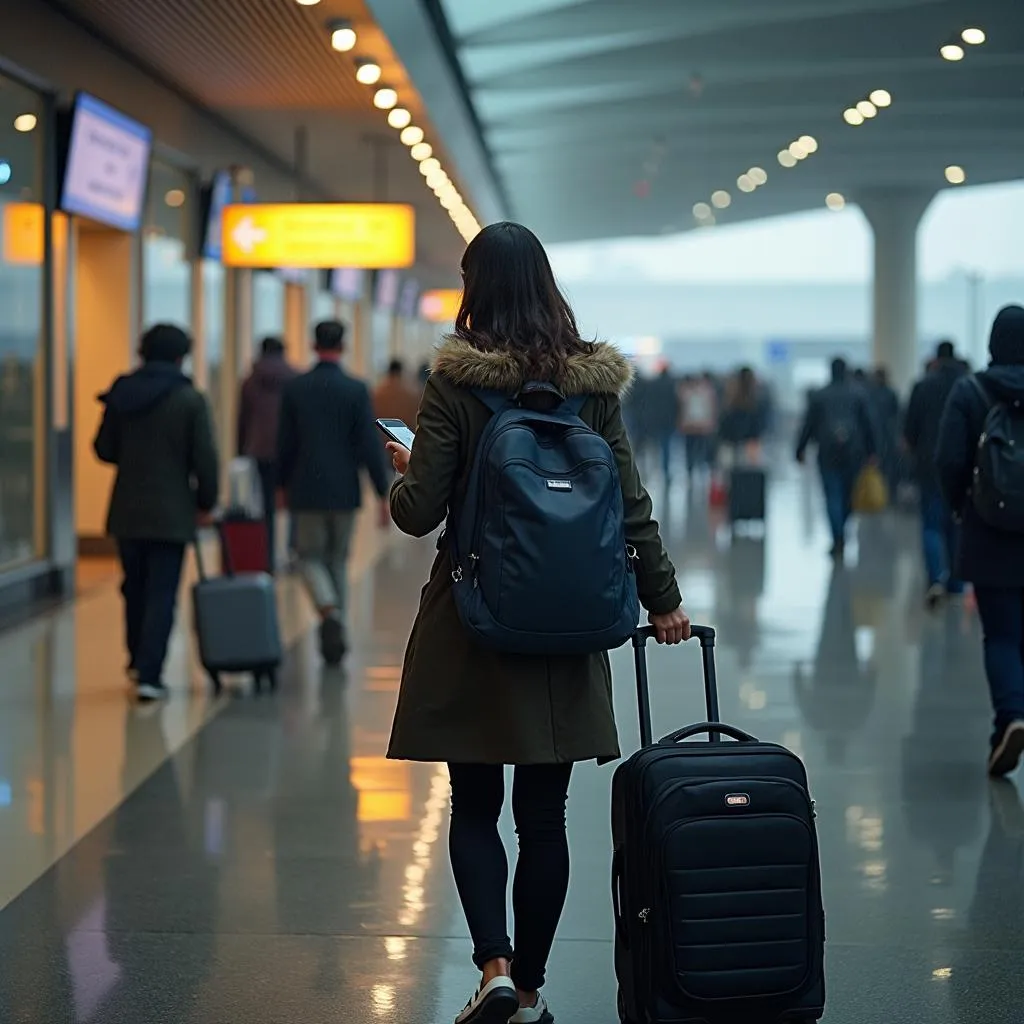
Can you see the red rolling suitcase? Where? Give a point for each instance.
(244, 544)
(716, 884)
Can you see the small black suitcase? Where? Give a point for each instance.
(236, 624)
(715, 875)
(747, 487)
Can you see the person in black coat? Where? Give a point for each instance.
(991, 559)
(839, 422)
(326, 437)
(939, 530)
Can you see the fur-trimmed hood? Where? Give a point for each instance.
(604, 372)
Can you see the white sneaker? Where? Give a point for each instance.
(493, 1004)
(537, 1014)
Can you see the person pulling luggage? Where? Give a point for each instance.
(517, 357)
(979, 460)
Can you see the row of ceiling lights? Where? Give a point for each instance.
(867, 109)
(368, 72)
(953, 51)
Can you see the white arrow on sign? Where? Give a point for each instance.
(247, 236)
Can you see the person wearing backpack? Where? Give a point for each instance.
(979, 460)
(840, 423)
(550, 539)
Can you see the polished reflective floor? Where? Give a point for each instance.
(258, 860)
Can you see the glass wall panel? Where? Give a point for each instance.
(167, 275)
(267, 308)
(22, 344)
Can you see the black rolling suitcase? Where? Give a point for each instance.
(747, 489)
(715, 876)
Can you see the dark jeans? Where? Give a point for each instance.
(152, 573)
(666, 445)
(698, 451)
(838, 487)
(940, 535)
(1002, 621)
(480, 865)
(268, 480)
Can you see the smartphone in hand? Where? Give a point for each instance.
(398, 431)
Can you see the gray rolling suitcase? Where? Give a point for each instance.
(236, 624)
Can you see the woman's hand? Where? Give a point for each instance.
(400, 456)
(672, 628)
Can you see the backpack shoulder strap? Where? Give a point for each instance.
(576, 403)
(494, 400)
(982, 390)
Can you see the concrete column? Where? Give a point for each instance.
(894, 217)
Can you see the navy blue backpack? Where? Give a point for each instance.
(540, 562)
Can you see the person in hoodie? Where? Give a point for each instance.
(157, 430)
(992, 559)
(258, 415)
(939, 531)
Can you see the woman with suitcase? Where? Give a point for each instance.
(477, 708)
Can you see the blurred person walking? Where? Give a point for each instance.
(514, 327)
(885, 404)
(394, 398)
(157, 430)
(979, 460)
(259, 412)
(698, 422)
(661, 411)
(839, 422)
(326, 437)
(939, 530)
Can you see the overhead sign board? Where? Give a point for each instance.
(107, 165)
(319, 235)
(441, 306)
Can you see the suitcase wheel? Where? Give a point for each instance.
(215, 682)
(268, 674)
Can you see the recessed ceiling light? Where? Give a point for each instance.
(973, 36)
(701, 211)
(866, 108)
(385, 98)
(307, 3)
(835, 201)
(343, 35)
(881, 98)
(721, 199)
(758, 175)
(175, 198)
(853, 116)
(809, 143)
(429, 165)
(367, 72)
(421, 151)
(956, 175)
(745, 183)
(412, 135)
(796, 149)
(399, 118)
(5, 172)
(786, 158)
(25, 122)
(952, 51)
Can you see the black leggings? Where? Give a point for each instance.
(480, 865)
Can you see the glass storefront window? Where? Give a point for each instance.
(167, 274)
(213, 337)
(22, 344)
(267, 307)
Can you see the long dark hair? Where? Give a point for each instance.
(511, 302)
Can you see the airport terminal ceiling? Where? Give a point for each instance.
(268, 68)
(608, 118)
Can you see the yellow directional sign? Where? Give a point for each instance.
(441, 306)
(319, 235)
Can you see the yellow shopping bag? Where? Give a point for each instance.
(870, 493)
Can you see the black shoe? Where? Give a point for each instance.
(838, 551)
(148, 692)
(495, 1003)
(1007, 750)
(332, 641)
(935, 596)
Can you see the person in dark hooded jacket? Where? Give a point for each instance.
(258, 414)
(157, 430)
(990, 558)
(939, 531)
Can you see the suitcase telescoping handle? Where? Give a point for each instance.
(706, 636)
